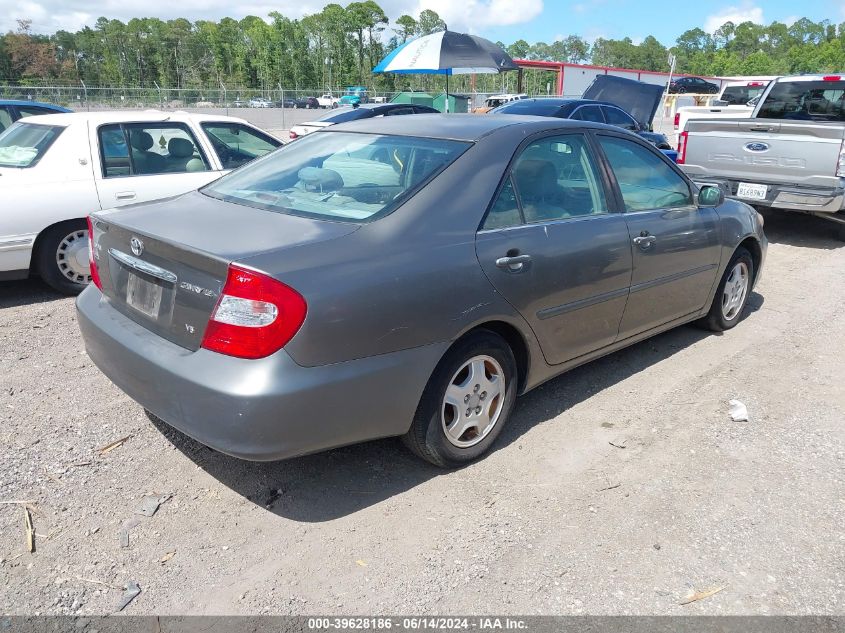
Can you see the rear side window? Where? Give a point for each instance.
(137, 149)
(24, 144)
(236, 144)
(805, 101)
(645, 180)
(616, 117)
(538, 107)
(588, 113)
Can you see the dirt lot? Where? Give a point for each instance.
(556, 520)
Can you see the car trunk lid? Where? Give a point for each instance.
(637, 98)
(164, 264)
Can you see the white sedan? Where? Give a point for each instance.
(56, 169)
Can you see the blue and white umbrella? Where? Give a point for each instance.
(447, 53)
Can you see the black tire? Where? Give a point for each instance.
(840, 232)
(682, 90)
(716, 320)
(427, 436)
(51, 271)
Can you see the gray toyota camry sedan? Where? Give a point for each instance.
(405, 276)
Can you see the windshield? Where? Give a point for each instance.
(338, 175)
(805, 101)
(740, 95)
(23, 144)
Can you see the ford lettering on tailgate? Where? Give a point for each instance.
(761, 161)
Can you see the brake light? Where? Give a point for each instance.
(254, 316)
(840, 165)
(755, 83)
(831, 78)
(93, 255)
(677, 119)
(682, 147)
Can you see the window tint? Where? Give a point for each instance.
(505, 209)
(538, 107)
(149, 148)
(26, 111)
(645, 180)
(338, 176)
(397, 111)
(615, 116)
(236, 144)
(805, 101)
(23, 144)
(555, 178)
(588, 113)
(5, 119)
(740, 95)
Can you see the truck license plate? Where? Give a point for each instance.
(144, 296)
(751, 191)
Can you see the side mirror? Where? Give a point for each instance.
(710, 196)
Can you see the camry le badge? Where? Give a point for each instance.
(757, 147)
(137, 246)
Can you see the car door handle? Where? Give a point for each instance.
(514, 263)
(645, 241)
(125, 195)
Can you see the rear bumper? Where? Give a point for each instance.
(793, 198)
(264, 409)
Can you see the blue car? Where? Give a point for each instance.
(11, 111)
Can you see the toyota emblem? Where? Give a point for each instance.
(137, 246)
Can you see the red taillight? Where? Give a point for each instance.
(831, 78)
(255, 315)
(682, 147)
(755, 83)
(677, 119)
(92, 261)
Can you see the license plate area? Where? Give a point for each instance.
(751, 191)
(144, 294)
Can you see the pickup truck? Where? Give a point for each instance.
(789, 155)
(327, 101)
(733, 102)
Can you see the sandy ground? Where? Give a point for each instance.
(618, 488)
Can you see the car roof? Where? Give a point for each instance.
(40, 104)
(126, 116)
(459, 127)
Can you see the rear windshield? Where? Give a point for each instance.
(338, 175)
(740, 95)
(23, 144)
(805, 101)
(539, 107)
(345, 114)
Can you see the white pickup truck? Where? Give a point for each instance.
(789, 155)
(732, 103)
(327, 101)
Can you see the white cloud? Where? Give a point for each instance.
(473, 15)
(744, 13)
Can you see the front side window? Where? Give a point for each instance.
(23, 144)
(338, 175)
(616, 117)
(235, 144)
(136, 149)
(645, 180)
(805, 101)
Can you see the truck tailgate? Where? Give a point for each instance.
(801, 153)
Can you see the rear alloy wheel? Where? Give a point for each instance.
(466, 402)
(732, 294)
(62, 257)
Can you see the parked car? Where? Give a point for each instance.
(305, 103)
(693, 85)
(327, 101)
(344, 114)
(240, 103)
(737, 100)
(260, 102)
(789, 155)
(354, 95)
(55, 169)
(405, 276)
(11, 111)
(495, 101)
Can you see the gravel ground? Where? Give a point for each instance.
(618, 488)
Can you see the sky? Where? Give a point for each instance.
(503, 20)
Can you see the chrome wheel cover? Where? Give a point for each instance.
(72, 257)
(473, 401)
(735, 291)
